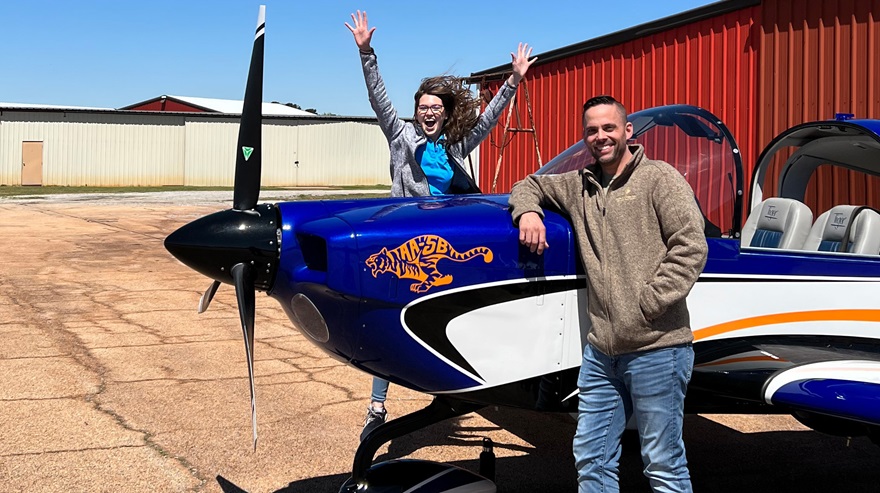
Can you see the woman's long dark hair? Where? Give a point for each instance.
(461, 106)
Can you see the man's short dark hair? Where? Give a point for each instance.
(600, 100)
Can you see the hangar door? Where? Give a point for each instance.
(32, 163)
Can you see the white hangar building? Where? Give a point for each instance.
(78, 146)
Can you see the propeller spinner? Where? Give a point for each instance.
(239, 246)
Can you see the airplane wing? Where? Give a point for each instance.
(848, 389)
(794, 374)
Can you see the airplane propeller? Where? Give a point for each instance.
(206, 298)
(239, 246)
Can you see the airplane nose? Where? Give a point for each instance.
(213, 244)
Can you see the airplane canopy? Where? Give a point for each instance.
(850, 144)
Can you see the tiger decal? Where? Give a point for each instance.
(417, 259)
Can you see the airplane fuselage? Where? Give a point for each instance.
(452, 305)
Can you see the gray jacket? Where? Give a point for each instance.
(641, 243)
(407, 178)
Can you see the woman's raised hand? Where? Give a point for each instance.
(521, 63)
(361, 31)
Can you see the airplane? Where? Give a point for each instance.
(436, 294)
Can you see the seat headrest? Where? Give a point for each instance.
(778, 223)
(836, 222)
(828, 232)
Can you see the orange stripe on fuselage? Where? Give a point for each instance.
(784, 318)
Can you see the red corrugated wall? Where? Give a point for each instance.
(760, 69)
(817, 59)
(710, 63)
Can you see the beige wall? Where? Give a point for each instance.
(148, 149)
(95, 150)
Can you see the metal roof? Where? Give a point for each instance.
(30, 106)
(229, 106)
(206, 115)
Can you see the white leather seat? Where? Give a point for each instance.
(828, 232)
(777, 223)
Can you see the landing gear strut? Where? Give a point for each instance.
(439, 409)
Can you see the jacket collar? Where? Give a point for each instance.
(422, 138)
(594, 171)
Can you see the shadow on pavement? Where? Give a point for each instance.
(722, 459)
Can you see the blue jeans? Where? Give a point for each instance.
(649, 385)
(380, 390)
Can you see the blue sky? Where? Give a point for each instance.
(111, 53)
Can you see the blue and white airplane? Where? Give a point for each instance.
(437, 295)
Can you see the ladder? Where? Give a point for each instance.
(510, 132)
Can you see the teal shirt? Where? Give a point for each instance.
(435, 164)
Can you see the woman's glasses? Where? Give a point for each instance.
(435, 108)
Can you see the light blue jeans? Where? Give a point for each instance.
(380, 390)
(649, 385)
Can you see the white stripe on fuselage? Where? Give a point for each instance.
(714, 304)
(847, 370)
(514, 340)
(542, 335)
(773, 277)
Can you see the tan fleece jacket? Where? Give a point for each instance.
(642, 245)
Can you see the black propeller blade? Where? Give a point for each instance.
(208, 296)
(243, 276)
(248, 153)
(239, 246)
(246, 192)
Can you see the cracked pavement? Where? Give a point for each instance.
(111, 381)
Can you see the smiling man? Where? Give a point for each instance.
(640, 237)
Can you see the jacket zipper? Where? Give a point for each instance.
(602, 207)
(605, 281)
